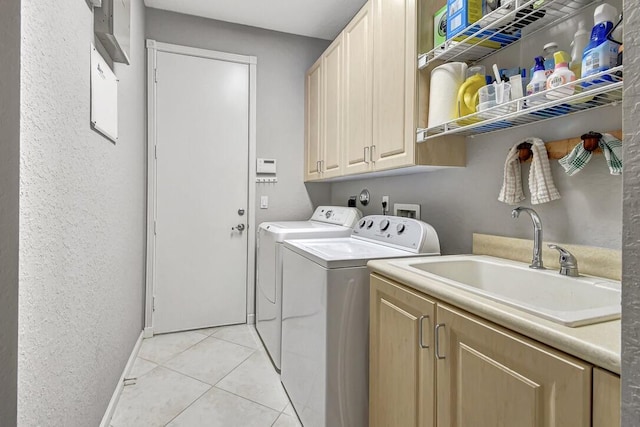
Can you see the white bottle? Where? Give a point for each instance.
(538, 82)
(579, 43)
(561, 76)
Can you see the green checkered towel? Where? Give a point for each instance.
(578, 158)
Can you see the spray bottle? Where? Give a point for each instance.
(539, 80)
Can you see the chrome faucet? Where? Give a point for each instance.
(536, 262)
(568, 263)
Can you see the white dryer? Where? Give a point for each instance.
(325, 316)
(326, 221)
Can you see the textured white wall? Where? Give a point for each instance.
(9, 201)
(631, 221)
(82, 220)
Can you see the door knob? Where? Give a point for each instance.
(239, 227)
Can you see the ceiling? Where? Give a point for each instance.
(322, 19)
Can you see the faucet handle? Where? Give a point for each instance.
(568, 263)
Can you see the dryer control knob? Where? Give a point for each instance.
(384, 224)
(328, 214)
(370, 223)
(400, 228)
(362, 223)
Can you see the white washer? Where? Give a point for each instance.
(325, 316)
(326, 221)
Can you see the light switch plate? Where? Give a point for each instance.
(264, 202)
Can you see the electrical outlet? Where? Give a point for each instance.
(385, 199)
(264, 202)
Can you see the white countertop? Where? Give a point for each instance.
(598, 344)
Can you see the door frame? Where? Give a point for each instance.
(153, 47)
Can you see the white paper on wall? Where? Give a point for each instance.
(104, 97)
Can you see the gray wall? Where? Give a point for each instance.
(282, 62)
(631, 227)
(459, 202)
(9, 198)
(82, 222)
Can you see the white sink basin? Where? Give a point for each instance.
(571, 301)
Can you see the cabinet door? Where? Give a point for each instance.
(606, 399)
(394, 75)
(357, 77)
(332, 110)
(313, 121)
(490, 377)
(401, 370)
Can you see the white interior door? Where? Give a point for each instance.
(202, 136)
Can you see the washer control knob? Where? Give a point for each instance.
(362, 223)
(328, 214)
(370, 223)
(384, 224)
(400, 228)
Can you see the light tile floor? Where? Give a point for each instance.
(209, 377)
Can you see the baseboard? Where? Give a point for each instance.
(106, 419)
(251, 319)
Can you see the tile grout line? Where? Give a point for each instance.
(210, 386)
(189, 405)
(252, 401)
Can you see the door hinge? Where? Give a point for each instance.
(155, 75)
(155, 151)
(153, 304)
(155, 227)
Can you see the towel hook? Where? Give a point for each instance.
(524, 151)
(590, 140)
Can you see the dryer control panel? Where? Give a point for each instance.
(338, 215)
(400, 232)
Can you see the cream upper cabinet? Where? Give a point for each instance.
(357, 77)
(323, 115)
(313, 121)
(487, 377)
(370, 103)
(330, 160)
(394, 82)
(401, 359)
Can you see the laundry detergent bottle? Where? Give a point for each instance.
(561, 76)
(601, 53)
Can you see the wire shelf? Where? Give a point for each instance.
(595, 91)
(502, 27)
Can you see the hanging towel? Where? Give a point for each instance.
(578, 158)
(511, 192)
(612, 149)
(541, 184)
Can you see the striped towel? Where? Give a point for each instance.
(541, 184)
(578, 158)
(612, 149)
(511, 192)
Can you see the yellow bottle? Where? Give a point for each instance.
(468, 94)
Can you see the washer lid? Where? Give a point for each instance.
(302, 230)
(343, 252)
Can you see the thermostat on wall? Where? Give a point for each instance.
(266, 166)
